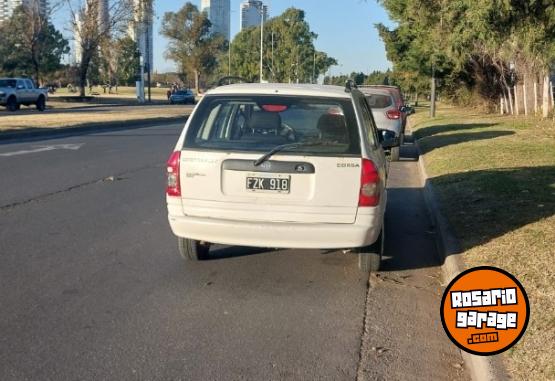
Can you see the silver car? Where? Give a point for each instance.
(386, 115)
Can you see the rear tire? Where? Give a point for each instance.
(193, 250)
(41, 104)
(370, 257)
(395, 153)
(12, 105)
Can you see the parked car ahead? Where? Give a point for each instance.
(399, 101)
(281, 166)
(15, 92)
(182, 97)
(386, 114)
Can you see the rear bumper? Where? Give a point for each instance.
(363, 232)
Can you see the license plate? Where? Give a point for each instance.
(273, 184)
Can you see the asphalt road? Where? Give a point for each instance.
(92, 286)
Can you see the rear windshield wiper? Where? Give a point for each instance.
(280, 148)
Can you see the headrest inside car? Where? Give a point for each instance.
(333, 127)
(265, 120)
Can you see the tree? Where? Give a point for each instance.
(93, 26)
(289, 53)
(471, 45)
(126, 61)
(31, 44)
(191, 45)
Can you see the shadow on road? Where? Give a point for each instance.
(227, 252)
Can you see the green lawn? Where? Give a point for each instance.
(495, 178)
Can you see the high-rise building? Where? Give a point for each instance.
(141, 29)
(7, 7)
(102, 18)
(252, 12)
(218, 12)
(103, 14)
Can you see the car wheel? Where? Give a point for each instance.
(12, 105)
(193, 250)
(370, 257)
(395, 153)
(41, 104)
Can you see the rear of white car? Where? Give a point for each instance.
(277, 166)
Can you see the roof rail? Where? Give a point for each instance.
(350, 85)
(231, 79)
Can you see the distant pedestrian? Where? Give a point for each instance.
(169, 94)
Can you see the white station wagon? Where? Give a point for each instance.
(280, 166)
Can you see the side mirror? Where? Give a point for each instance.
(388, 139)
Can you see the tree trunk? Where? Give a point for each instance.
(525, 95)
(197, 78)
(545, 97)
(535, 97)
(517, 106)
(510, 100)
(552, 95)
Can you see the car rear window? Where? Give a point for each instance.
(7, 83)
(379, 100)
(325, 126)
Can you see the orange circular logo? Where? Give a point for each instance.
(485, 311)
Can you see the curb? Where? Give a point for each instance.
(480, 368)
(88, 128)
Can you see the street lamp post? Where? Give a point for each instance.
(261, 42)
(229, 60)
(314, 67)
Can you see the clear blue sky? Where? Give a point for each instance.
(345, 30)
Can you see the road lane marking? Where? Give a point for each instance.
(70, 147)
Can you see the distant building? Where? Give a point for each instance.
(7, 7)
(252, 12)
(103, 14)
(103, 24)
(141, 29)
(77, 49)
(218, 12)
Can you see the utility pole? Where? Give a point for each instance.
(261, 41)
(229, 60)
(314, 67)
(433, 95)
(148, 63)
(273, 69)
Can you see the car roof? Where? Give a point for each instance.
(281, 89)
(372, 91)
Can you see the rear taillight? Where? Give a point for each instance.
(369, 184)
(173, 188)
(393, 114)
